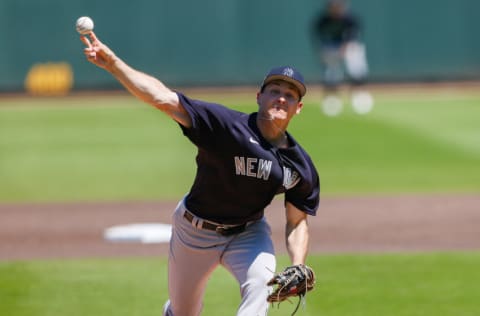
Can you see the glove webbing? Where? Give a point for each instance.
(302, 296)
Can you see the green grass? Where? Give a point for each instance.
(78, 152)
(354, 285)
(116, 148)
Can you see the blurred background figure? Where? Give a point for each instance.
(336, 37)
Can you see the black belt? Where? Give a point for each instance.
(224, 230)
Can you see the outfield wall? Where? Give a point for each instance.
(230, 42)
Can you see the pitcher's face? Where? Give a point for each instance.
(279, 100)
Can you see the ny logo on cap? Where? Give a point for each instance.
(288, 72)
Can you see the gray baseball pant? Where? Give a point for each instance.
(195, 253)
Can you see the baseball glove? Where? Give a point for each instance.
(294, 281)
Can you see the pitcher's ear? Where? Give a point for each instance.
(299, 107)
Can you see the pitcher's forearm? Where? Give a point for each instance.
(141, 85)
(297, 239)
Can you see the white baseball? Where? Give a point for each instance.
(84, 25)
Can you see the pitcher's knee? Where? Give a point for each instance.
(254, 298)
(256, 289)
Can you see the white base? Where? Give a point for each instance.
(145, 233)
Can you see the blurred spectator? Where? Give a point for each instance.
(336, 37)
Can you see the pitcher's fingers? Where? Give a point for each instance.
(89, 52)
(85, 41)
(93, 37)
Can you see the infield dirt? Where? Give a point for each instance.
(343, 224)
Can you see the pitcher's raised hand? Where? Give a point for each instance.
(97, 52)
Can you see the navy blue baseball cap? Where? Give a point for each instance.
(288, 74)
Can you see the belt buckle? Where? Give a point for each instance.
(227, 231)
(222, 230)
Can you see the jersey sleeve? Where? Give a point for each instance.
(209, 121)
(306, 194)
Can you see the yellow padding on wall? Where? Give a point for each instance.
(49, 79)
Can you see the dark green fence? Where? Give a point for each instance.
(230, 42)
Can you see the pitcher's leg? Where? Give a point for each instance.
(193, 257)
(250, 258)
